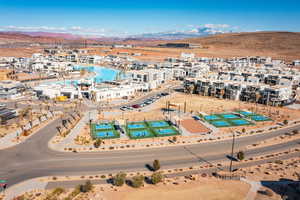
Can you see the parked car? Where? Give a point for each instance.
(136, 106)
(129, 108)
(124, 108)
(147, 102)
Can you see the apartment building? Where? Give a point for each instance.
(151, 78)
(11, 89)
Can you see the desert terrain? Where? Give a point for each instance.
(279, 45)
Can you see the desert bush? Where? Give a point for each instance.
(97, 143)
(156, 177)
(241, 155)
(137, 181)
(119, 179)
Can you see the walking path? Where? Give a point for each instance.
(21, 188)
(69, 140)
(253, 190)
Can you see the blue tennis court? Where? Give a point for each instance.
(104, 134)
(135, 126)
(158, 124)
(103, 126)
(245, 113)
(229, 116)
(220, 123)
(165, 131)
(211, 117)
(260, 118)
(142, 133)
(240, 122)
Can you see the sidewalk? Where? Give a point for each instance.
(253, 190)
(21, 188)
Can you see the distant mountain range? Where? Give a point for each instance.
(168, 35)
(283, 45)
(175, 35)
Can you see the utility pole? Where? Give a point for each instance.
(232, 149)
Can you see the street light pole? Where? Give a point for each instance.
(232, 149)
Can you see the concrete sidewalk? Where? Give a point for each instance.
(26, 186)
(253, 190)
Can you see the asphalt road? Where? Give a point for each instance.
(33, 158)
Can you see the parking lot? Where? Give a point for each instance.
(145, 102)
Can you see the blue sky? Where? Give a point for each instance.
(121, 17)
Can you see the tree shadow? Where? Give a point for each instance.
(231, 158)
(149, 167)
(288, 189)
(200, 159)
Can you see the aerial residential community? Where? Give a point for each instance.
(100, 110)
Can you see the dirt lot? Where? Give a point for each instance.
(204, 189)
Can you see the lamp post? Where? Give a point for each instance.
(232, 149)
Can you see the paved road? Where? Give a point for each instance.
(33, 158)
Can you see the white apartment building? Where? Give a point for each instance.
(150, 78)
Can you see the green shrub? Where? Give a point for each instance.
(97, 143)
(137, 181)
(119, 179)
(240, 155)
(279, 162)
(156, 177)
(58, 191)
(86, 187)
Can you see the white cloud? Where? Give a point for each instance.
(216, 26)
(76, 28)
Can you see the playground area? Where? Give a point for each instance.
(149, 129)
(104, 131)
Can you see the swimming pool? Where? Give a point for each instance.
(103, 126)
(239, 122)
(158, 124)
(141, 133)
(104, 134)
(102, 74)
(135, 126)
(260, 118)
(211, 117)
(220, 123)
(229, 116)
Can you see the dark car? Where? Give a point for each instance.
(136, 106)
